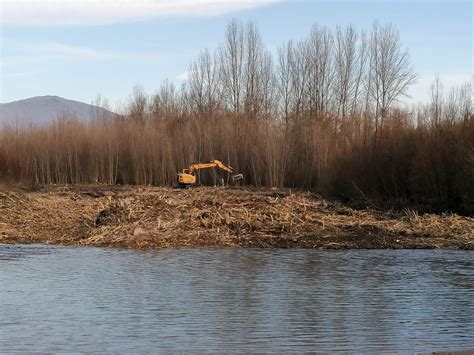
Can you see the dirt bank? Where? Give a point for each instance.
(138, 217)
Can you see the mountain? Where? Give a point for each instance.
(44, 109)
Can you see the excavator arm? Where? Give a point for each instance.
(212, 164)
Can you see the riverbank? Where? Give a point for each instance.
(157, 217)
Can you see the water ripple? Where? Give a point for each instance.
(90, 300)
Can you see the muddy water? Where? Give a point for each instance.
(55, 299)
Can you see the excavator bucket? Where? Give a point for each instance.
(237, 177)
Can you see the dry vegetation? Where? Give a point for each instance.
(322, 115)
(153, 217)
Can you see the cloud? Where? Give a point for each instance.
(102, 12)
(15, 75)
(29, 53)
(183, 76)
(65, 50)
(421, 90)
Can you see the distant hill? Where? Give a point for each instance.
(44, 109)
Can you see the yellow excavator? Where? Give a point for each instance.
(187, 177)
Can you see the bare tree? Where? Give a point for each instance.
(465, 99)
(345, 68)
(138, 104)
(320, 60)
(390, 72)
(300, 67)
(203, 83)
(165, 102)
(252, 69)
(458, 104)
(361, 67)
(231, 65)
(258, 73)
(285, 84)
(269, 105)
(436, 98)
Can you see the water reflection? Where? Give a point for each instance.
(13, 252)
(90, 299)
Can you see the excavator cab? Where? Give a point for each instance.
(186, 178)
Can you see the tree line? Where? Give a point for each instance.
(321, 113)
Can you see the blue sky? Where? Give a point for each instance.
(79, 49)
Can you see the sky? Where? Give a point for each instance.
(79, 49)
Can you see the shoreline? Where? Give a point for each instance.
(140, 217)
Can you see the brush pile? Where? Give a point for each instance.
(138, 217)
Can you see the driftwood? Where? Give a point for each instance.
(149, 217)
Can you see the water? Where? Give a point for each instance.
(55, 299)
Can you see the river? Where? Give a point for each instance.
(62, 299)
